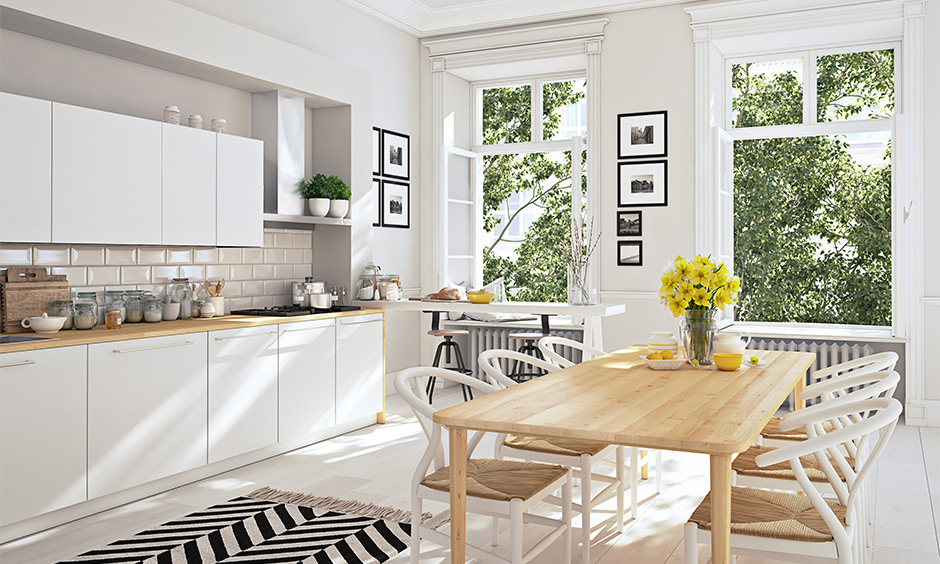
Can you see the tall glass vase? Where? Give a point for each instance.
(580, 293)
(697, 331)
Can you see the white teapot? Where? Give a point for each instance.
(731, 342)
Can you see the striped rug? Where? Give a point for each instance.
(267, 526)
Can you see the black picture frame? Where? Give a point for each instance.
(396, 204)
(630, 223)
(396, 155)
(633, 192)
(642, 134)
(377, 208)
(376, 148)
(630, 260)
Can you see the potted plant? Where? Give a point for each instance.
(339, 194)
(315, 192)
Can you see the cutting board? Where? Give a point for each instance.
(28, 292)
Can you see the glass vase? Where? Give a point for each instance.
(697, 331)
(580, 295)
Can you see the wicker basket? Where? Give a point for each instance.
(671, 364)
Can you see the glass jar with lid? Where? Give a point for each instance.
(197, 308)
(134, 306)
(180, 293)
(66, 309)
(153, 309)
(114, 300)
(86, 299)
(85, 316)
(368, 287)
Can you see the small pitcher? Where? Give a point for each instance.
(732, 342)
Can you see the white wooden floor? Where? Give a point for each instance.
(376, 464)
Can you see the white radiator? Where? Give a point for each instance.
(486, 338)
(827, 353)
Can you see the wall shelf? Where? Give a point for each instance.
(284, 221)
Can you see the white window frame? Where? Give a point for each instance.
(811, 127)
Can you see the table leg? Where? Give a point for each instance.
(458, 495)
(645, 471)
(721, 508)
(593, 336)
(798, 401)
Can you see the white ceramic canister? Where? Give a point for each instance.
(195, 121)
(171, 115)
(663, 341)
(217, 125)
(731, 342)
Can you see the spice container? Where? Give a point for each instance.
(112, 319)
(64, 308)
(171, 115)
(153, 309)
(90, 299)
(114, 300)
(133, 306)
(86, 316)
(197, 308)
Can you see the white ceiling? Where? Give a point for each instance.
(425, 18)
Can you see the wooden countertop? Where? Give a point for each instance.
(99, 334)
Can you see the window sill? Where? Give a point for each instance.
(817, 331)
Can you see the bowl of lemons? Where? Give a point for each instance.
(663, 360)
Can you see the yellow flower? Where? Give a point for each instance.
(722, 298)
(735, 285)
(701, 275)
(700, 297)
(682, 268)
(721, 270)
(668, 280)
(684, 289)
(676, 304)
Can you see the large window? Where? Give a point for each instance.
(524, 129)
(812, 185)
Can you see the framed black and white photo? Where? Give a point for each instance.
(376, 151)
(630, 253)
(396, 155)
(396, 204)
(377, 205)
(641, 183)
(641, 135)
(629, 223)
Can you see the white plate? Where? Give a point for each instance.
(747, 363)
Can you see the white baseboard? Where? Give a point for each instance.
(922, 413)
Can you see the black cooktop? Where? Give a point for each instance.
(291, 311)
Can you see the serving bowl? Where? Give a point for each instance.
(728, 361)
(480, 297)
(665, 364)
(44, 323)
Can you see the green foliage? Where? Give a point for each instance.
(813, 226)
(539, 272)
(322, 186)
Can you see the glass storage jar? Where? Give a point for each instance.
(153, 309)
(66, 309)
(87, 298)
(180, 293)
(114, 300)
(86, 316)
(197, 308)
(367, 288)
(134, 306)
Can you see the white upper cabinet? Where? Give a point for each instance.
(359, 367)
(189, 176)
(106, 177)
(240, 192)
(25, 169)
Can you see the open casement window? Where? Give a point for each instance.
(463, 177)
(804, 195)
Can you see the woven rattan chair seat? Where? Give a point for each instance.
(770, 514)
(527, 336)
(772, 431)
(501, 480)
(448, 332)
(555, 445)
(745, 465)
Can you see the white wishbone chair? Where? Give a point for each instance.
(807, 529)
(495, 488)
(772, 435)
(580, 455)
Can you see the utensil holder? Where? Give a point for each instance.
(218, 302)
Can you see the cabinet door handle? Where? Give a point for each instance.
(306, 329)
(21, 363)
(244, 336)
(155, 347)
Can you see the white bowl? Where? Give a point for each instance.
(670, 364)
(44, 324)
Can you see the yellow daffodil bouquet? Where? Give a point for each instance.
(697, 284)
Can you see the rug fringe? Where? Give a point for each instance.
(352, 507)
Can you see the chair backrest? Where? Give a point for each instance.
(490, 363)
(871, 363)
(547, 346)
(883, 417)
(411, 384)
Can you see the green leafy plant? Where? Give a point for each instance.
(322, 186)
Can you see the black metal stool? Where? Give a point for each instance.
(529, 347)
(446, 346)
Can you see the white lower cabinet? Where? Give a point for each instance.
(42, 431)
(359, 367)
(242, 390)
(146, 410)
(306, 379)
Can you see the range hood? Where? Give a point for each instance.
(277, 118)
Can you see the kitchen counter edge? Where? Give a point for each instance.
(70, 338)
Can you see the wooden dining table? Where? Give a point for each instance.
(617, 399)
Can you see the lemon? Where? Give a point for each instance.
(667, 355)
(655, 356)
(754, 360)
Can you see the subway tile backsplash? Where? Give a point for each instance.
(253, 277)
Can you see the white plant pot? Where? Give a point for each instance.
(338, 208)
(318, 207)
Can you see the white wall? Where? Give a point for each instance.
(932, 203)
